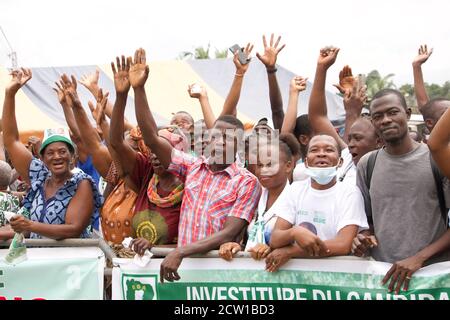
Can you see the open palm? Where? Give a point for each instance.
(269, 58)
(121, 77)
(90, 81)
(346, 80)
(423, 55)
(138, 70)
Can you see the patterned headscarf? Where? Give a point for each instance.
(178, 140)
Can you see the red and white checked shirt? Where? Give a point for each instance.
(210, 197)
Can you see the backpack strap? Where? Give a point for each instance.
(370, 165)
(437, 175)
(369, 171)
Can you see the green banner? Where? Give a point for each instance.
(300, 279)
(54, 273)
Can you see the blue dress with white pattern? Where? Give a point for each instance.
(53, 211)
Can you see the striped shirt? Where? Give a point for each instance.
(210, 197)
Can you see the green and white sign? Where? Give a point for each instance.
(299, 279)
(54, 273)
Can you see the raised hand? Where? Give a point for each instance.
(355, 98)
(34, 145)
(327, 56)
(423, 55)
(18, 79)
(69, 86)
(139, 69)
(269, 58)
(346, 80)
(241, 69)
(90, 81)
(197, 91)
(297, 84)
(98, 112)
(60, 93)
(121, 77)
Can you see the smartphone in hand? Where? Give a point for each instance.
(196, 89)
(243, 58)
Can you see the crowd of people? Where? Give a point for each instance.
(294, 189)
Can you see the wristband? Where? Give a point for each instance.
(239, 75)
(273, 70)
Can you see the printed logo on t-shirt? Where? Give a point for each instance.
(303, 213)
(319, 217)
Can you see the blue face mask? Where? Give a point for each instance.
(322, 176)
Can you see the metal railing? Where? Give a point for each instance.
(158, 252)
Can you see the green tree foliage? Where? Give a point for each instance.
(202, 53)
(375, 82)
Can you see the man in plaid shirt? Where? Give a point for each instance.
(220, 197)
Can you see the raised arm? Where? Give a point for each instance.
(66, 102)
(297, 85)
(98, 113)
(18, 153)
(269, 59)
(101, 158)
(202, 97)
(90, 82)
(230, 105)
(419, 85)
(126, 156)
(2, 147)
(138, 76)
(317, 112)
(439, 143)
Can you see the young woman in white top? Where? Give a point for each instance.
(274, 166)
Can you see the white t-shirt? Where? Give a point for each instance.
(347, 172)
(299, 173)
(268, 216)
(323, 212)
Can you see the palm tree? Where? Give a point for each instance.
(199, 53)
(408, 92)
(202, 53)
(221, 54)
(375, 82)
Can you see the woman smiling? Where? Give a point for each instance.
(61, 203)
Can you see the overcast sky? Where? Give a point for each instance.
(382, 34)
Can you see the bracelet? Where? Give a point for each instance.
(239, 75)
(272, 70)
